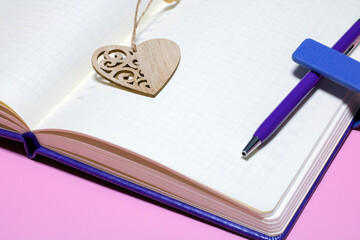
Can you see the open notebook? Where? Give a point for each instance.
(182, 147)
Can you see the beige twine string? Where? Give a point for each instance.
(136, 21)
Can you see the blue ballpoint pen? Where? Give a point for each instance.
(345, 45)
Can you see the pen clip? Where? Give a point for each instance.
(352, 46)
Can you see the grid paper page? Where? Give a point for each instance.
(46, 47)
(235, 68)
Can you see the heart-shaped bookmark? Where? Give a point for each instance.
(143, 69)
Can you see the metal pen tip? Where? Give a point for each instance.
(251, 146)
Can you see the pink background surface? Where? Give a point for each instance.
(45, 200)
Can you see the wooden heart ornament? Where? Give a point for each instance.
(145, 71)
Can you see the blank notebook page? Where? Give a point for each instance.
(46, 46)
(235, 68)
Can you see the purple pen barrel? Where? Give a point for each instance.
(301, 90)
(287, 105)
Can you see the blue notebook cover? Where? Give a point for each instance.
(33, 148)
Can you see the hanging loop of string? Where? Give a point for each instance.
(137, 21)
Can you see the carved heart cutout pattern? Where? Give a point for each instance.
(145, 71)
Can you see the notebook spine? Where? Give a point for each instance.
(31, 144)
(356, 124)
